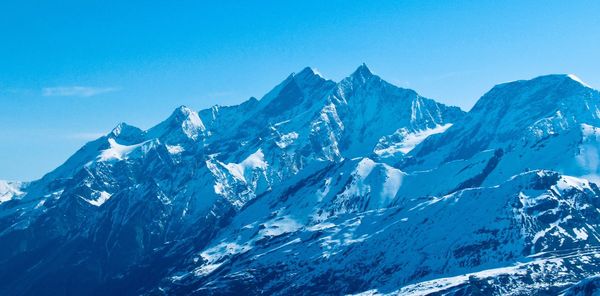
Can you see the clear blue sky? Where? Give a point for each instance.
(71, 70)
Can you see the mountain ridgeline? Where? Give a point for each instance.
(323, 188)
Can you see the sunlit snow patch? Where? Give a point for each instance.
(279, 226)
(253, 161)
(286, 140)
(378, 180)
(117, 151)
(409, 140)
(8, 190)
(175, 149)
(101, 198)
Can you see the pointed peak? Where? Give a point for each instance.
(185, 114)
(188, 120)
(363, 71)
(182, 110)
(308, 76)
(307, 72)
(124, 128)
(127, 133)
(116, 131)
(183, 124)
(306, 79)
(252, 101)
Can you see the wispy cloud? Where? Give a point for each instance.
(76, 91)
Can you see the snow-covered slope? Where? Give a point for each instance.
(547, 122)
(503, 230)
(9, 190)
(550, 122)
(322, 187)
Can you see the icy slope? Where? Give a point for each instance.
(526, 219)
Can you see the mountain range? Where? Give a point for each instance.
(323, 188)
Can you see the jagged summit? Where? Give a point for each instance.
(182, 113)
(307, 72)
(308, 78)
(294, 95)
(183, 122)
(362, 70)
(362, 74)
(118, 130)
(126, 132)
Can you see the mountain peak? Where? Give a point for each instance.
(182, 111)
(189, 120)
(307, 72)
(362, 74)
(362, 71)
(519, 113)
(547, 80)
(126, 133)
(308, 77)
(182, 119)
(123, 128)
(553, 87)
(184, 114)
(557, 78)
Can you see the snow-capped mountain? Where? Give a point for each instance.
(549, 122)
(322, 187)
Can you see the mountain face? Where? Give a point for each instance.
(549, 122)
(323, 187)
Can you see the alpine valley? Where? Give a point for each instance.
(323, 188)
